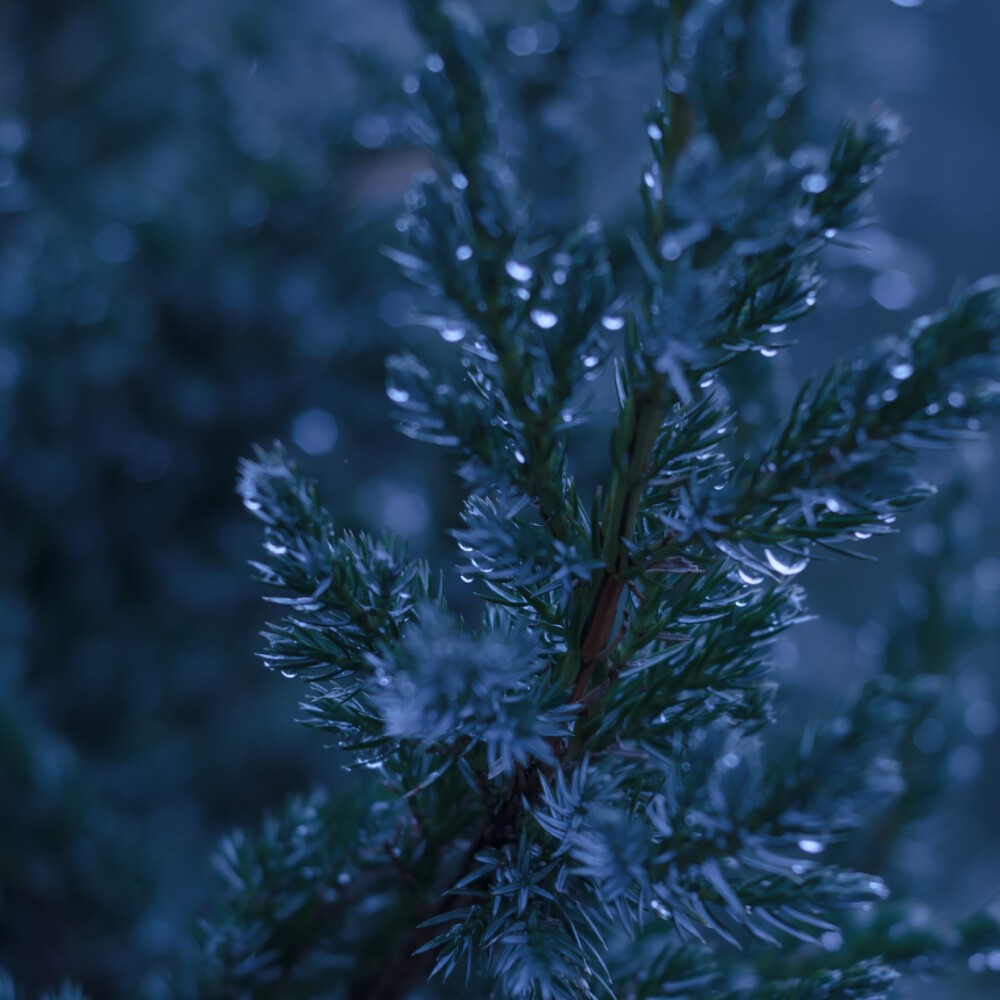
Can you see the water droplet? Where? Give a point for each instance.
(776, 327)
(834, 506)
(466, 579)
(648, 179)
(890, 395)
(452, 334)
(862, 535)
(671, 249)
(815, 183)
(750, 579)
(901, 370)
(590, 361)
(811, 846)
(559, 276)
(275, 548)
(768, 352)
(523, 294)
(707, 382)
(397, 395)
(956, 399)
(933, 410)
(518, 271)
(660, 910)
(344, 878)
(464, 547)
(518, 456)
(811, 299)
(613, 323)
(464, 252)
(830, 233)
(831, 940)
(654, 131)
(459, 180)
(785, 569)
(435, 63)
(543, 318)
(288, 673)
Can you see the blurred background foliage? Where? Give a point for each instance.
(193, 198)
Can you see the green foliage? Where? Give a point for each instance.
(576, 796)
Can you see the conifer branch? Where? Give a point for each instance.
(583, 768)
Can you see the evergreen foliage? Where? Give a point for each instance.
(577, 795)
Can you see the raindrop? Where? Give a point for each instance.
(811, 299)
(466, 579)
(613, 323)
(288, 673)
(518, 271)
(275, 548)
(654, 131)
(749, 578)
(901, 370)
(890, 395)
(523, 294)
(452, 334)
(933, 409)
(830, 233)
(464, 548)
(459, 180)
(344, 878)
(435, 63)
(785, 569)
(862, 535)
(810, 846)
(831, 940)
(956, 399)
(776, 327)
(566, 416)
(660, 910)
(518, 456)
(834, 506)
(397, 395)
(464, 252)
(768, 352)
(648, 179)
(559, 276)
(815, 183)
(671, 249)
(543, 318)
(590, 361)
